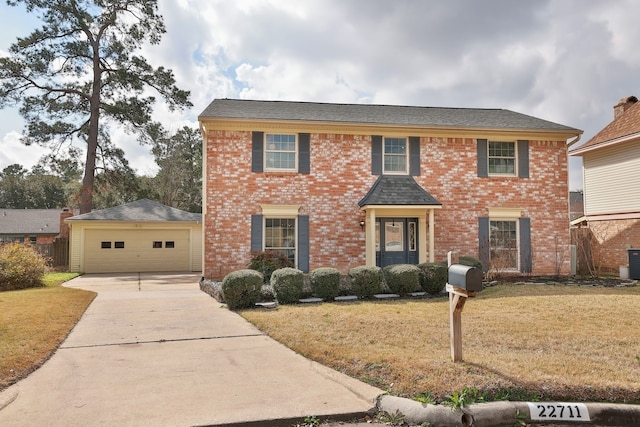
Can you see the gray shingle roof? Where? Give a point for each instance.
(397, 190)
(475, 118)
(30, 221)
(143, 210)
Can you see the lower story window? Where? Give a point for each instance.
(280, 237)
(503, 240)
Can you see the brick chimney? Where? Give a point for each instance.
(64, 227)
(623, 105)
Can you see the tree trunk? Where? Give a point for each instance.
(86, 195)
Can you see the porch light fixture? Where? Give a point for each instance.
(362, 224)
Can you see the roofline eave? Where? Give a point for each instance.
(587, 148)
(363, 207)
(321, 126)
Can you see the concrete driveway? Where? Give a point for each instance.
(152, 349)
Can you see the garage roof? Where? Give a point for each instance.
(143, 210)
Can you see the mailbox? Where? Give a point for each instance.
(465, 277)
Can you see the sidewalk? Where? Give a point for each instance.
(155, 350)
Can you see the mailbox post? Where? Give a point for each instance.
(462, 282)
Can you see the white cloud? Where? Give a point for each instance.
(567, 61)
(13, 151)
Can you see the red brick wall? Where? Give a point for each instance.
(64, 227)
(42, 239)
(613, 239)
(329, 195)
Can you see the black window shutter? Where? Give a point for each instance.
(257, 151)
(526, 261)
(523, 158)
(256, 233)
(484, 248)
(483, 156)
(376, 155)
(414, 155)
(303, 243)
(304, 153)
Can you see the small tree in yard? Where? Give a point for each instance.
(21, 267)
(79, 72)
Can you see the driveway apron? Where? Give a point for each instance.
(152, 349)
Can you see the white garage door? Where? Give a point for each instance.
(128, 251)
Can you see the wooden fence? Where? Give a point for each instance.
(57, 253)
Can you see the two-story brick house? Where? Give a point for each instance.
(343, 185)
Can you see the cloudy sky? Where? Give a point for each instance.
(567, 61)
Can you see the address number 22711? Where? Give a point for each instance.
(546, 411)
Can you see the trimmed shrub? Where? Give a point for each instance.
(365, 281)
(287, 283)
(242, 288)
(434, 277)
(471, 262)
(21, 267)
(267, 262)
(402, 278)
(325, 283)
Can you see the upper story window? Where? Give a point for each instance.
(280, 152)
(502, 158)
(395, 156)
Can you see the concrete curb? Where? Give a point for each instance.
(503, 413)
(333, 418)
(7, 397)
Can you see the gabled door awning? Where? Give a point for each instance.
(397, 190)
(399, 195)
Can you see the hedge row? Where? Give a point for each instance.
(243, 288)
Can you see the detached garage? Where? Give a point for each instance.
(142, 236)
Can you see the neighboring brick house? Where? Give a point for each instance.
(611, 174)
(343, 185)
(36, 226)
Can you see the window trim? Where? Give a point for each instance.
(517, 244)
(281, 212)
(296, 153)
(407, 156)
(515, 158)
(295, 232)
(507, 214)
